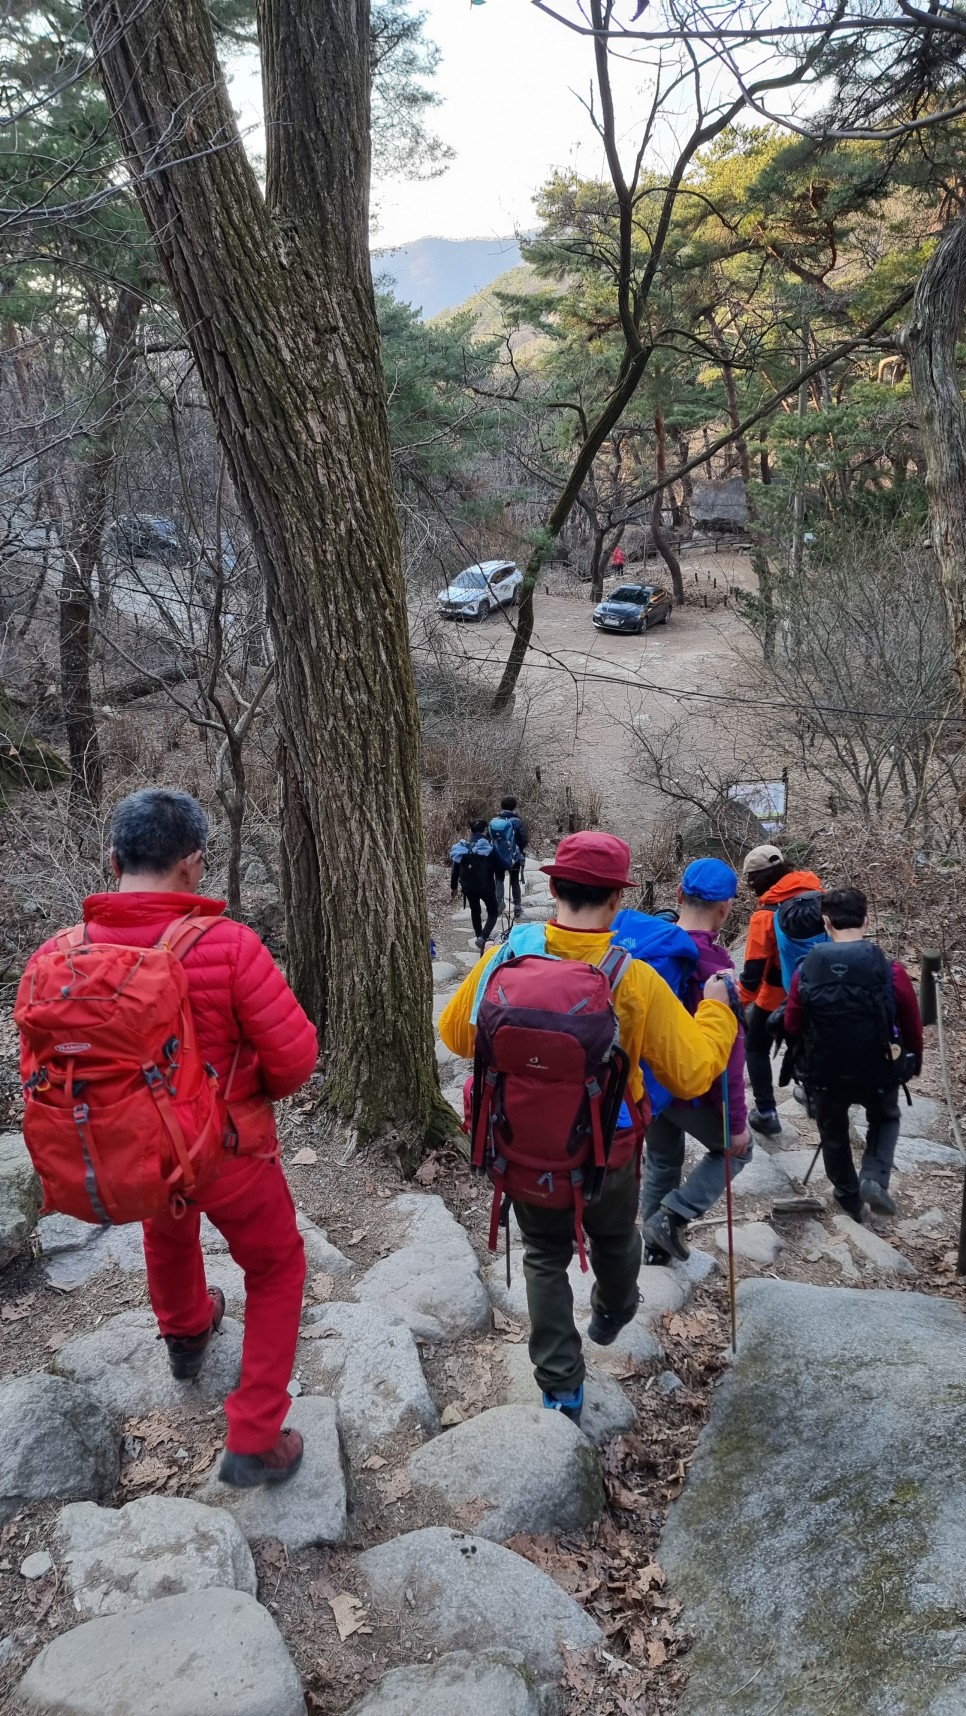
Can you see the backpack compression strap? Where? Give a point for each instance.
(615, 965)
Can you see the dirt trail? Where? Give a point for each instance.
(582, 691)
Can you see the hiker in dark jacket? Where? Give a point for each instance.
(706, 896)
(474, 871)
(509, 829)
(772, 880)
(853, 1017)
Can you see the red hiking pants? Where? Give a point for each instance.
(250, 1204)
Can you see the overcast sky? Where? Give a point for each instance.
(508, 109)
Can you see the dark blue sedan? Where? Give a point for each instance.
(633, 608)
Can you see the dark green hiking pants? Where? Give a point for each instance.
(614, 1244)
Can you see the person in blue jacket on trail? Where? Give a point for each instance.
(508, 832)
(706, 896)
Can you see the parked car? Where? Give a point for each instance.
(144, 537)
(477, 590)
(633, 608)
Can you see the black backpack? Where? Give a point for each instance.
(851, 1042)
(476, 867)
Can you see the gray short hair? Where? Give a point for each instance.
(152, 830)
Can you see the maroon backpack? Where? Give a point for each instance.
(548, 1082)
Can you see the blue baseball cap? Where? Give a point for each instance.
(710, 879)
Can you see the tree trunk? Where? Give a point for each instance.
(661, 542)
(276, 298)
(687, 485)
(598, 557)
(610, 416)
(95, 462)
(929, 343)
(760, 564)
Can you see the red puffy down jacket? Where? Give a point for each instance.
(236, 989)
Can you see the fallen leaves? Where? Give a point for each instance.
(356, 1237)
(451, 1416)
(511, 1330)
(57, 1340)
(18, 1309)
(322, 1286)
(304, 1158)
(349, 1615)
(397, 1485)
(156, 1458)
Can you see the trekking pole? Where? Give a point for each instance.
(732, 1290)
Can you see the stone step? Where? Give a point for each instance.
(125, 1367)
(481, 1683)
(178, 1656)
(310, 1507)
(607, 1413)
(157, 1546)
(461, 1592)
(365, 1356)
(57, 1443)
(523, 1469)
(829, 1477)
(432, 1279)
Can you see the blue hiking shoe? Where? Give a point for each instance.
(571, 1405)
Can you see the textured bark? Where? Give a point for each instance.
(608, 419)
(759, 559)
(275, 295)
(95, 462)
(661, 541)
(929, 341)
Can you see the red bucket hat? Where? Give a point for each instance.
(600, 860)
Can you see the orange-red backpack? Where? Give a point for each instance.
(122, 1120)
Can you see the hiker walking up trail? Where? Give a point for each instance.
(760, 983)
(548, 1095)
(617, 560)
(509, 836)
(853, 1019)
(254, 1035)
(475, 867)
(706, 896)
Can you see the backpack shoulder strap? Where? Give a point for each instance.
(182, 933)
(615, 964)
(73, 937)
(524, 938)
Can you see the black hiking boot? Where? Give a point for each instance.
(879, 1197)
(662, 1232)
(765, 1121)
(603, 1329)
(186, 1352)
(275, 1466)
(571, 1404)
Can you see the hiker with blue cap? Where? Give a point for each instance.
(707, 893)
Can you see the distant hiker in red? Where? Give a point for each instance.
(252, 1032)
(617, 560)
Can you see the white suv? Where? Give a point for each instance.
(475, 592)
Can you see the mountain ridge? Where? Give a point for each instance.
(437, 274)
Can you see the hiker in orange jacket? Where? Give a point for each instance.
(772, 880)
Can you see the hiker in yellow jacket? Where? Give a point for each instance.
(687, 1054)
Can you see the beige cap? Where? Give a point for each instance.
(761, 858)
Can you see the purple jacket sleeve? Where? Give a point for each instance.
(711, 958)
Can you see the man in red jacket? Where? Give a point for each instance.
(255, 1035)
(853, 1017)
